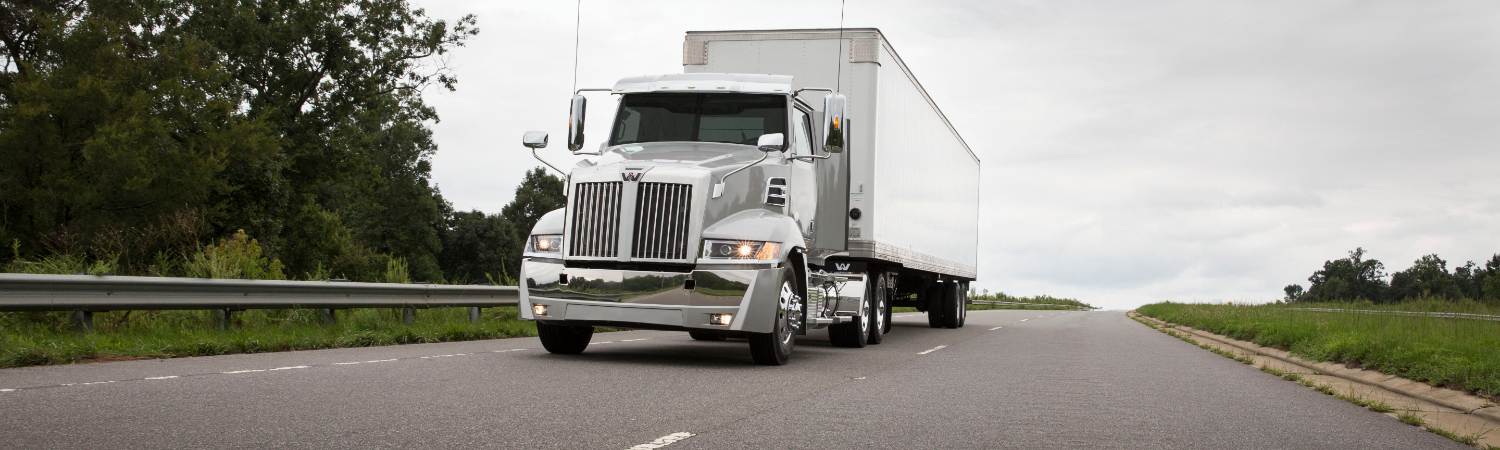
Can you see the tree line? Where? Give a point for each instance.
(1357, 277)
(135, 133)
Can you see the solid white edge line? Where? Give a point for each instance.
(167, 377)
(663, 441)
(930, 350)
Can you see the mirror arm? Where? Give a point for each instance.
(810, 157)
(719, 187)
(539, 158)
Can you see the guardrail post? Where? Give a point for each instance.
(83, 320)
(222, 318)
(327, 316)
(473, 314)
(408, 315)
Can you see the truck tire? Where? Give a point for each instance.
(564, 339)
(880, 309)
(775, 348)
(963, 304)
(855, 333)
(933, 297)
(707, 335)
(953, 307)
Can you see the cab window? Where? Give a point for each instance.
(802, 142)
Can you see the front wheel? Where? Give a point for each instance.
(564, 339)
(707, 335)
(775, 348)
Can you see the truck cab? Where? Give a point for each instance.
(697, 214)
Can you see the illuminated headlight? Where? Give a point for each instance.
(750, 250)
(720, 319)
(545, 243)
(538, 310)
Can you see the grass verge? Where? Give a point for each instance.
(171, 334)
(1454, 353)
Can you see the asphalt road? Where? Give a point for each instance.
(1015, 379)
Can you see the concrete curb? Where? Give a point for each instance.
(1448, 409)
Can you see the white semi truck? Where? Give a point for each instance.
(788, 180)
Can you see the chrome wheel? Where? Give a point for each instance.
(791, 315)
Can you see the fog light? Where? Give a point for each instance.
(720, 319)
(539, 310)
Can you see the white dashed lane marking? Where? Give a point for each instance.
(277, 369)
(663, 441)
(930, 350)
(996, 328)
(1023, 320)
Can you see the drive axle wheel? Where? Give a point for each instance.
(880, 309)
(564, 339)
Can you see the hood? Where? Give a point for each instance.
(682, 158)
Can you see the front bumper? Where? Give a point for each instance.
(649, 299)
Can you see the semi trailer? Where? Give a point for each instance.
(786, 181)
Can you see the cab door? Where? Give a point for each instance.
(802, 179)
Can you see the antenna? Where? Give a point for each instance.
(578, 19)
(838, 83)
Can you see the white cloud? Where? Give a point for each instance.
(1134, 151)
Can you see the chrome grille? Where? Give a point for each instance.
(596, 220)
(661, 221)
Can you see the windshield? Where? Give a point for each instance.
(728, 118)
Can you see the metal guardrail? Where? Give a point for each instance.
(1435, 314)
(86, 294)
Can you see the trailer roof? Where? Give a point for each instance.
(700, 82)
(835, 33)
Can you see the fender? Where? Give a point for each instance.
(550, 223)
(759, 225)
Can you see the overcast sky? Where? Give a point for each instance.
(1133, 151)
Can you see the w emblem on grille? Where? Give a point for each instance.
(632, 176)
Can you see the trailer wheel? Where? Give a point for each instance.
(953, 306)
(707, 335)
(933, 297)
(774, 348)
(880, 309)
(963, 304)
(564, 339)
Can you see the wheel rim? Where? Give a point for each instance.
(879, 311)
(791, 321)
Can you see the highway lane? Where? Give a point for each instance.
(1020, 379)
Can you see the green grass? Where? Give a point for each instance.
(31, 339)
(1456, 353)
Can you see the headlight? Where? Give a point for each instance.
(751, 250)
(544, 243)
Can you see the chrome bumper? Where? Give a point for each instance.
(651, 299)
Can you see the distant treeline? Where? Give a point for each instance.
(985, 295)
(1357, 278)
(135, 135)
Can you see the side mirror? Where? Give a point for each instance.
(835, 124)
(771, 142)
(575, 122)
(534, 139)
